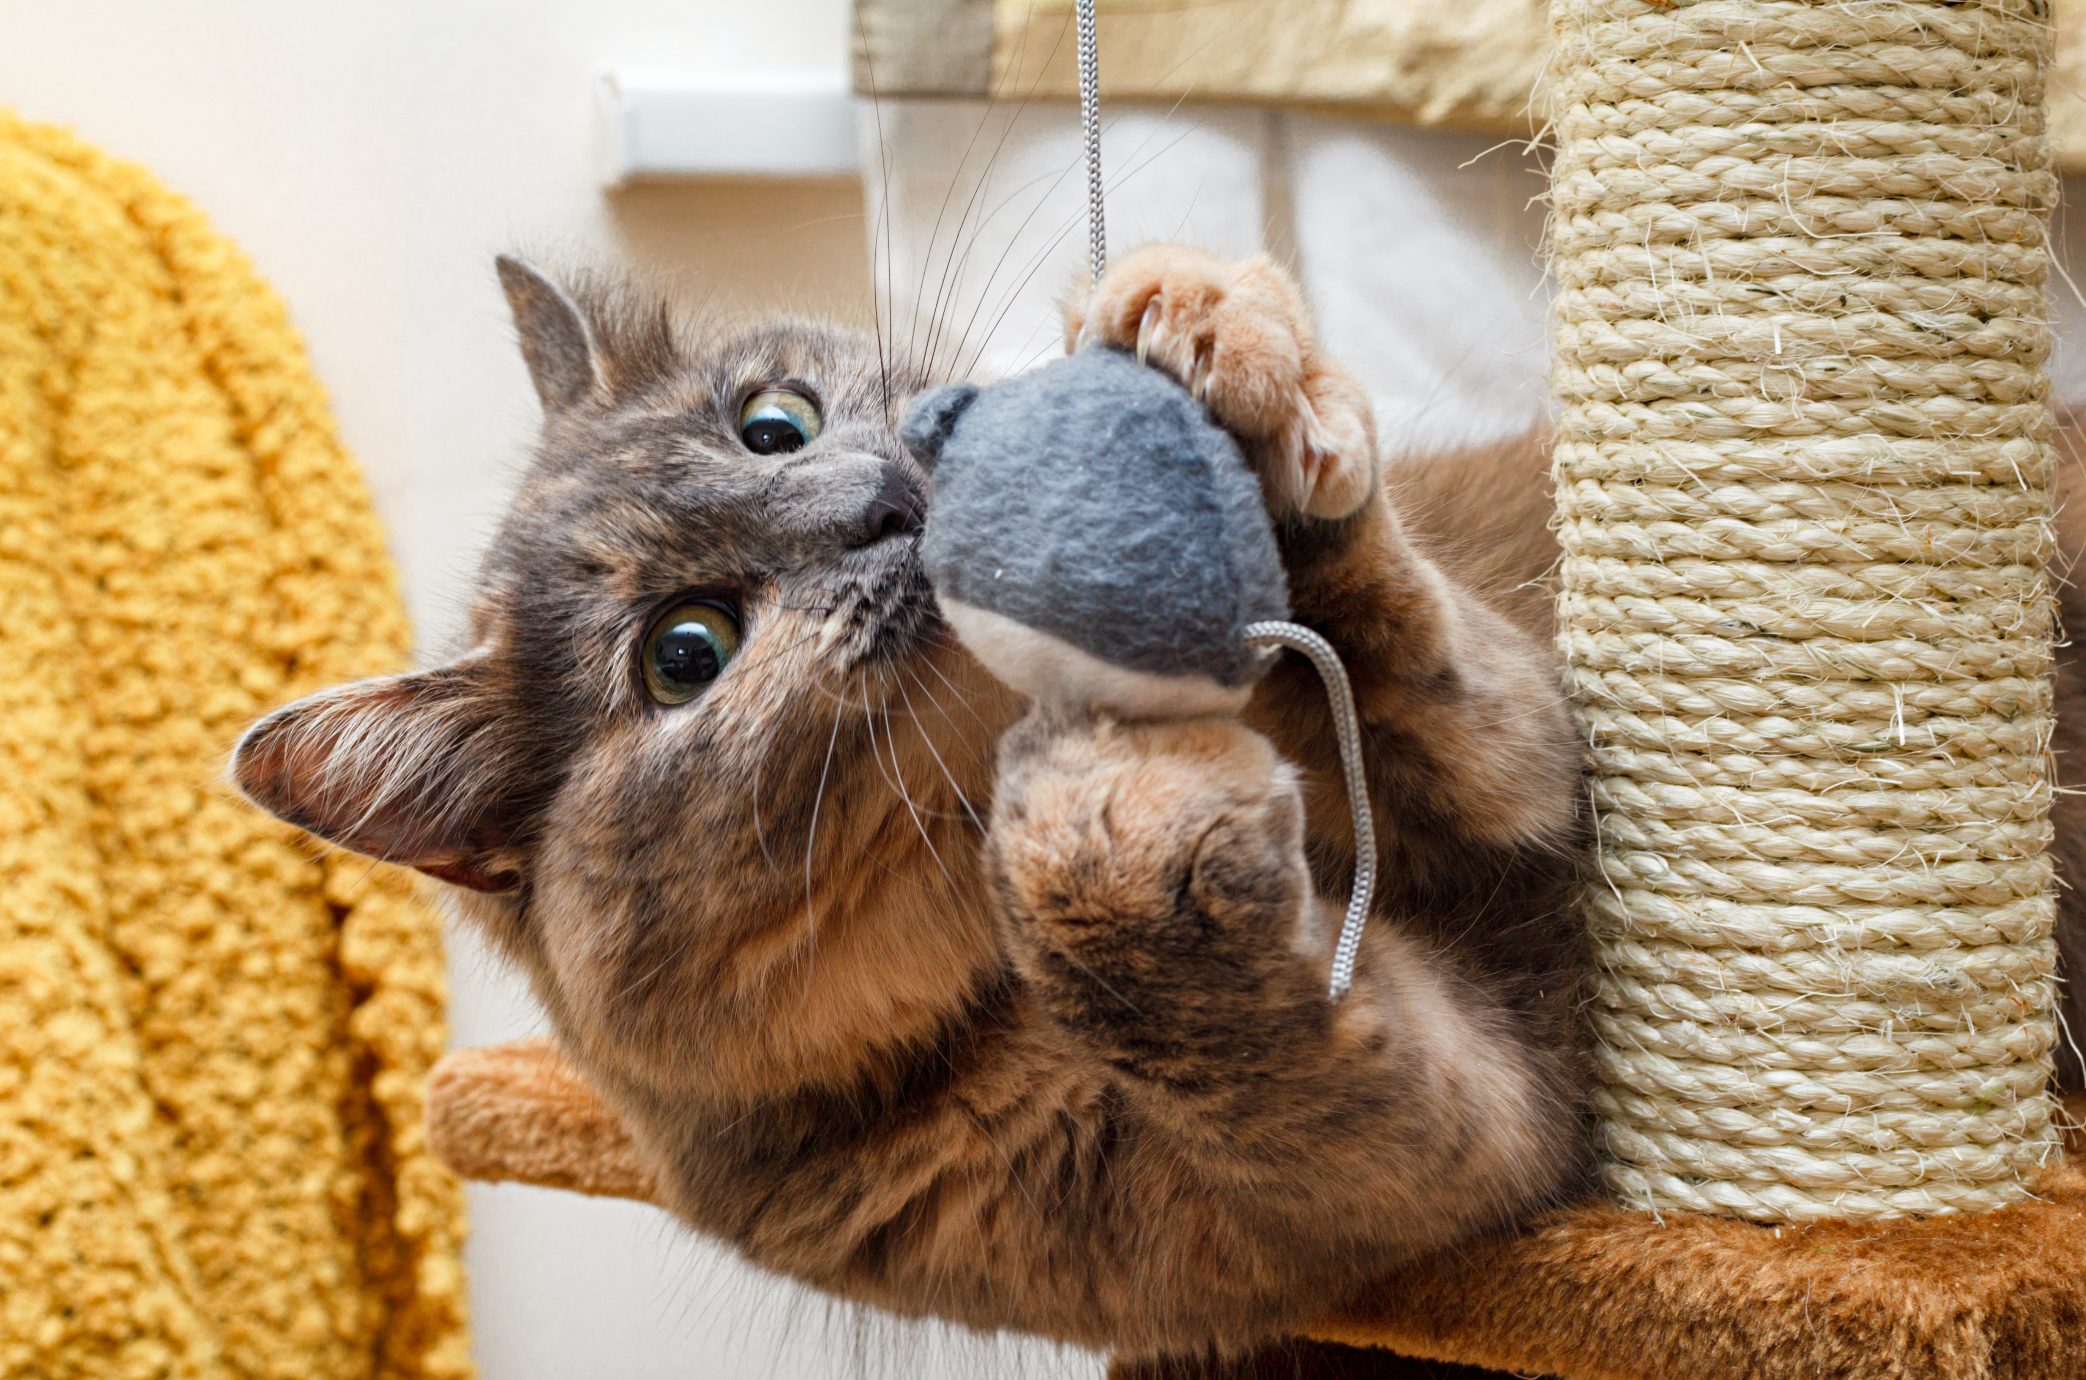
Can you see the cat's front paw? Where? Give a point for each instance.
(1151, 873)
(1239, 336)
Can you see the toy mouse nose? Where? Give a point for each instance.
(895, 509)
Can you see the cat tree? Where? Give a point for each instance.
(1803, 474)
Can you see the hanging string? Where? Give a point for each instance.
(1090, 117)
(1347, 727)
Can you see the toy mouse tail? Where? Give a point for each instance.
(1348, 729)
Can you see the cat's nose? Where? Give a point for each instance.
(895, 509)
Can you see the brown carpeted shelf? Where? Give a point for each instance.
(1591, 1293)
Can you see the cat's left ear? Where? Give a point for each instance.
(409, 769)
(556, 343)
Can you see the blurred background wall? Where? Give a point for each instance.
(373, 157)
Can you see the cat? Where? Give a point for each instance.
(949, 1005)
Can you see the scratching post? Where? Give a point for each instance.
(1802, 477)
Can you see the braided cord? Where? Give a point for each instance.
(1348, 730)
(1803, 471)
(1090, 119)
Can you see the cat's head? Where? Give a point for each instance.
(711, 767)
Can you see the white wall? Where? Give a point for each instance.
(372, 157)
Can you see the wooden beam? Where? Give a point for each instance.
(1466, 65)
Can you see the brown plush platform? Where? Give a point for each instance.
(1591, 1293)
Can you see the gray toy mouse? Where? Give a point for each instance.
(1095, 539)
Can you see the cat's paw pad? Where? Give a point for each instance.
(1238, 335)
(1102, 831)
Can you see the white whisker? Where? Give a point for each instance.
(928, 739)
(818, 800)
(896, 780)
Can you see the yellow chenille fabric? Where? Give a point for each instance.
(214, 1041)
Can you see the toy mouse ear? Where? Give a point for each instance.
(932, 417)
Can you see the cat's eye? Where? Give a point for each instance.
(687, 649)
(778, 421)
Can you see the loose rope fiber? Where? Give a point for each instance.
(1803, 476)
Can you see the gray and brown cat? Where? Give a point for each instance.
(945, 1005)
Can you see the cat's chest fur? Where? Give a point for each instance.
(996, 1174)
(923, 1145)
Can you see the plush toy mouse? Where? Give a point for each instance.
(1096, 540)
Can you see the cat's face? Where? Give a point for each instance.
(712, 768)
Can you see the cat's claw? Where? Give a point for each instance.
(1238, 337)
(1153, 311)
(1198, 379)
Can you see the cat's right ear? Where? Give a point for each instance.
(407, 769)
(930, 419)
(555, 341)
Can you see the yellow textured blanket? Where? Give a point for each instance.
(213, 1044)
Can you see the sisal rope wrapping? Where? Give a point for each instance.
(1803, 479)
